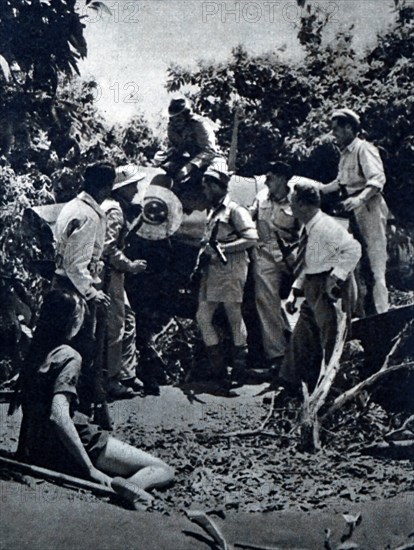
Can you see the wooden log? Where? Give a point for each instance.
(58, 477)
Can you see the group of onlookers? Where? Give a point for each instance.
(285, 235)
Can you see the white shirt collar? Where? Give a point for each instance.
(313, 221)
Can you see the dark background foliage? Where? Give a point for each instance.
(50, 127)
(287, 106)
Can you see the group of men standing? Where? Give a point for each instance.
(284, 234)
(331, 262)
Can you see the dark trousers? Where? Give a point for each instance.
(315, 333)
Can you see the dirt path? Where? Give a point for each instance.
(300, 495)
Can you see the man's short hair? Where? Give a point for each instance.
(98, 175)
(279, 168)
(307, 194)
(219, 180)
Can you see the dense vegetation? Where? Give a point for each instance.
(287, 106)
(50, 126)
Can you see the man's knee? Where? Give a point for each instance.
(169, 471)
(204, 314)
(233, 309)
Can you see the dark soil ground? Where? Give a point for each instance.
(240, 477)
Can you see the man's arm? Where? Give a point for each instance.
(239, 245)
(253, 209)
(373, 170)
(348, 254)
(355, 202)
(246, 230)
(78, 256)
(329, 187)
(115, 256)
(206, 141)
(62, 421)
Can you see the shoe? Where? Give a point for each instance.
(151, 387)
(134, 383)
(238, 373)
(274, 364)
(116, 390)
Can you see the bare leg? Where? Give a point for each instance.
(238, 328)
(140, 468)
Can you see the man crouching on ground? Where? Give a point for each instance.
(54, 434)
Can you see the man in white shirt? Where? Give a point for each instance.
(80, 235)
(326, 259)
(361, 179)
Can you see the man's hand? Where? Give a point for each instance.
(99, 477)
(101, 299)
(184, 173)
(333, 287)
(290, 304)
(352, 203)
(139, 266)
(160, 158)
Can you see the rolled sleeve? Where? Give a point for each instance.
(67, 362)
(371, 165)
(244, 224)
(348, 255)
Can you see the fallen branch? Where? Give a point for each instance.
(353, 392)
(45, 473)
(310, 423)
(329, 371)
(385, 369)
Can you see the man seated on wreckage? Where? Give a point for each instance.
(55, 433)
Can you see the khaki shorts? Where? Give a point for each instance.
(225, 283)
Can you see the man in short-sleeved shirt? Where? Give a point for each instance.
(224, 283)
(275, 225)
(361, 176)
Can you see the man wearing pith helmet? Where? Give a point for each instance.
(121, 347)
(223, 282)
(191, 140)
(361, 180)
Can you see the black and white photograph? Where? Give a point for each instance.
(206, 275)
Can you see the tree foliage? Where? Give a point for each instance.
(287, 105)
(50, 126)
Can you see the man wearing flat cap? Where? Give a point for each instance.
(223, 281)
(361, 180)
(192, 142)
(121, 348)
